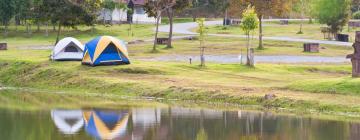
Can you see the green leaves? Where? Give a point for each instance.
(7, 10)
(249, 21)
(202, 29)
(109, 4)
(334, 13)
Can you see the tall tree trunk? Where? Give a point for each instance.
(27, 26)
(58, 33)
(130, 32)
(248, 49)
(16, 23)
(157, 29)
(93, 28)
(226, 16)
(54, 27)
(38, 26)
(171, 22)
(47, 29)
(260, 33)
(310, 20)
(104, 16)
(301, 22)
(6, 30)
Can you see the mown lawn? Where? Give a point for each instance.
(319, 86)
(20, 38)
(234, 46)
(217, 82)
(273, 29)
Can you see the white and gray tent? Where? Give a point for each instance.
(68, 49)
(68, 121)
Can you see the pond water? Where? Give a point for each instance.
(168, 123)
(28, 115)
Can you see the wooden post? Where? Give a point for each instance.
(202, 57)
(3, 46)
(355, 57)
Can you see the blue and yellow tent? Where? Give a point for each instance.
(105, 50)
(106, 124)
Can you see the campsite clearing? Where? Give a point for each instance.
(23, 66)
(231, 83)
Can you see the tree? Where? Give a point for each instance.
(267, 8)
(234, 9)
(67, 13)
(356, 15)
(21, 10)
(249, 23)
(108, 5)
(355, 5)
(334, 13)
(155, 9)
(91, 9)
(207, 8)
(130, 11)
(38, 16)
(202, 33)
(302, 7)
(7, 11)
(179, 6)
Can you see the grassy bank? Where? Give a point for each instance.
(325, 88)
(217, 83)
(34, 99)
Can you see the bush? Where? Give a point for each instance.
(356, 15)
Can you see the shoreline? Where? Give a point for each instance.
(38, 75)
(119, 102)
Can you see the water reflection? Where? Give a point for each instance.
(173, 123)
(106, 124)
(68, 121)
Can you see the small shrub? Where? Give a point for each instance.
(356, 15)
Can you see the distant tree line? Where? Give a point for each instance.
(58, 13)
(71, 13)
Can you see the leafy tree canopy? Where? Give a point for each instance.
(7, 10)
(334, 13)
(249, 21)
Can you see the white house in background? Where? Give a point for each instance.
(120, 16)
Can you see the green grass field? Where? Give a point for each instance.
(320, 87)
(310, 31)
(21, 38)
(217, 82)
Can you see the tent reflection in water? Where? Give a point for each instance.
(68, 49)
(106, 124)
(105, 50)
(68, 121)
